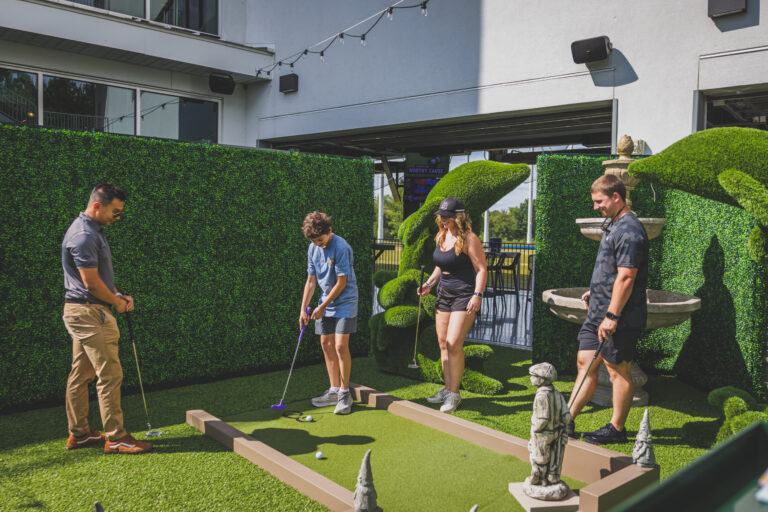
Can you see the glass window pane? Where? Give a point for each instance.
(159, 115)
(202, 15)
(199, 121)
(132, 7)
(87, 106)
(185, 119)
(18, 97)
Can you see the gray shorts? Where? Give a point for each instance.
(333, 325)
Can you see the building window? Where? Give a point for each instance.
(18, 97)
(132, 7)
(87, 106)
(748, 110)
(200, 15)
(177, 118)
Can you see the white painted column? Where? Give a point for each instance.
(529, 235)
(486, 235)
(380, 222)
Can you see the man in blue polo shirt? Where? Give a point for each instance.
(330, 263)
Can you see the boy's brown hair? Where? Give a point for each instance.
(316, 224)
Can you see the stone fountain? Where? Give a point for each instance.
(664, 308)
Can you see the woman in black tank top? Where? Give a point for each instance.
(460, 269)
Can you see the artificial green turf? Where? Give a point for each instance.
(188, 471)
(414, 466)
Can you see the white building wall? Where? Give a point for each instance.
(490, 57)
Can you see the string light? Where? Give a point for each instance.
(326, 43)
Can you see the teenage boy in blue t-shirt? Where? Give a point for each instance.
(329, 263)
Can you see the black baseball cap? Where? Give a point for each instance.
(450, 206)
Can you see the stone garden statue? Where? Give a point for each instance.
(642, 452)
(365, 495)
(548, 437)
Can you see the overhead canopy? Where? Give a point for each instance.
(586, 126)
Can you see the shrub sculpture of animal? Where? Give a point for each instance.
(479, 185)
(729, 165)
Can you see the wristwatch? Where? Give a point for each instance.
(478, 294)
(611, 316)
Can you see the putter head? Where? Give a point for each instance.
(154, 433)
(414, 365)
(278, 407)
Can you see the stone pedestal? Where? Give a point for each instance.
(604, 393)
(568, 504)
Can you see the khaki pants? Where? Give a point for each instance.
(94, 354)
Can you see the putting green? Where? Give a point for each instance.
(414, 466)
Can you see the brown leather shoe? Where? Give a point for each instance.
(127, 444)
(92, 437)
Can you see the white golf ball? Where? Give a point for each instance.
(319, 455)
(308, 418)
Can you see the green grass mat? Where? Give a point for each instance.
(414, 466)
(188, 471)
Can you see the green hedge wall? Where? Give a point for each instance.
(211, 250)
(701, 252)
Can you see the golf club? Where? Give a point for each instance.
(574, 395)
(281, 405)
(414, 365)
(150, 432)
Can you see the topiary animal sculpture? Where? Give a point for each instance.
(729, 165)
(478, 185)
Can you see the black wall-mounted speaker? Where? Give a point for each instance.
(591, 50)
(221, 83)
(289, 83)
(723, 7)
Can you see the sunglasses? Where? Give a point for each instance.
(117, 214)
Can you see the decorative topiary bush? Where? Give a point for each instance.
(729, 165)
(718, 397)
(739, 412)
(479, 185)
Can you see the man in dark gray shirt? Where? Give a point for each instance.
(89, 282)
(617, 308)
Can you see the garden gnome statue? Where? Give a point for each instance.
(365, 494)
(642, 452)
(548, 437)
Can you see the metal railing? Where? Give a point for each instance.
(80, 122)
(16, 107)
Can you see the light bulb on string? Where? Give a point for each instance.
(322, 56)
(389, 13)
(424, 8)
(341, 37)
(362, 39)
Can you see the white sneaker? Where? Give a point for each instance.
(327, 398)
(438, 397)
(344, 405)
(452, 402)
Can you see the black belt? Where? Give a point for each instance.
(78, 301)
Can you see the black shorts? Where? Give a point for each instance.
(620, 347)
(454, 299)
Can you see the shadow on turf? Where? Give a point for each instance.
(298, 442)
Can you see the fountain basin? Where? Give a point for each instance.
(591, 227)
(664, 308)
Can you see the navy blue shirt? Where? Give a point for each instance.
(328, 263)
(624, 244)
(85, 246)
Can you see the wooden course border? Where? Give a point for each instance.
(610, 476)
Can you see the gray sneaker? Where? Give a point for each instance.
(344, 406)
(438, 397)
(326, 399)
(452, 401)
